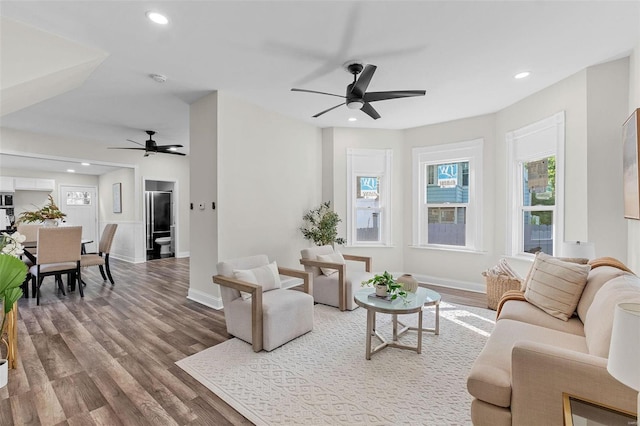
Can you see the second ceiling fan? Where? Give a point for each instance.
(357, 97)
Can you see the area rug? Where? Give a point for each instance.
(323, 377)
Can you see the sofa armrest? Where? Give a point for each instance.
(541, 373)
(509, 295)
(307, 277)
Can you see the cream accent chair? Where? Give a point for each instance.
(271, 318)
(104, 247)
(335, 289)
(58, 253)
(30, 231)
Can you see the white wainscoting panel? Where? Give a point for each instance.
(128, 243)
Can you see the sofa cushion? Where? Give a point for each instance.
(597, 278)
(555, 286)
(521, 310)
(599, 322)
(490, 377)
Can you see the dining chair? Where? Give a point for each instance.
(58, 253)
(104, 247)
(266, 316)
(30, 231)
(333, 283)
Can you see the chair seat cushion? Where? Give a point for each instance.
(52, 267)
(91, 260)
(325, 288)
(521, 310)
(286, 314)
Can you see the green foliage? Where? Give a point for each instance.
(321, 225)
(386, 279)
(49, 211)
(13, 272)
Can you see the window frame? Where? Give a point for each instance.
(369, 163)
(468, 151)
(542, 139)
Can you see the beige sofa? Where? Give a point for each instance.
(532, 358)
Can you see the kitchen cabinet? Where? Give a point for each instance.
(34, 184)
(6, 184)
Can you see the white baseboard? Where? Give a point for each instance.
(447, 282)
(183, 254)
(205, 299)
(128, 259)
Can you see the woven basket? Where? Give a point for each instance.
(497, 285)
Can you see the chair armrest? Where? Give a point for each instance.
(307, 277)
(256, 305)
(541, 373)
(365, 259)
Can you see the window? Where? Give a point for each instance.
(535, 222)
(447, 195)
(368, 214)
(78, 198)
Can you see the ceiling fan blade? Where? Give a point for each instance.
(113, 147)
(327, 110)
(370, 111)
(171, 152)
(361, 85)
(393, 94)
(135, 142)
(169, 146)
(314, 91)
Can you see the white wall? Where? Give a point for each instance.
(633, 226)
(269, 171)
(263, 170)
(336, 142)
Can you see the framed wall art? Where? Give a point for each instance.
(117, 197)
(631, 180)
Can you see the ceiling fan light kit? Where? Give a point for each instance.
(357, 97)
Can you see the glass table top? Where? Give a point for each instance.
(423, 296)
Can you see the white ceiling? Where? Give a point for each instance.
(464, 54)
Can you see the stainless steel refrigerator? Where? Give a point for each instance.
(158, 215)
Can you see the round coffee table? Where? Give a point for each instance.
(414, 304)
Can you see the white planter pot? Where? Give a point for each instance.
(4, 372)
(381, 290)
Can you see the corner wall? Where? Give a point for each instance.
(633, 226)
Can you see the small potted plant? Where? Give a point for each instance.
(386, 285)
(49, 214)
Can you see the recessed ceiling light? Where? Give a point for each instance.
(353, 119)
(71, 171)
(521, 75)
(158, 18)
(86, 164)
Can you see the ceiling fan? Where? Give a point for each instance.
(357, 96)
(150, 146)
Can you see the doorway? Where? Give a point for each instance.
(80, 204)
(159, 219)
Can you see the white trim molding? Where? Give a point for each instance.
(205, 299)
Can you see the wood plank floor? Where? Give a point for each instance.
(108, 359)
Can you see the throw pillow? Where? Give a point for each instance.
(335, 257)
(266, 276)
(555, 286)
(579, 260)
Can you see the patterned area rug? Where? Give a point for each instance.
(323, 377)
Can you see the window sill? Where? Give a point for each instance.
(369, 246)
(451, 249)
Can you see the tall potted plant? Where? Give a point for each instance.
(321, 225)
(12, 274)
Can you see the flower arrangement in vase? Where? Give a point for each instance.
(49, 214)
